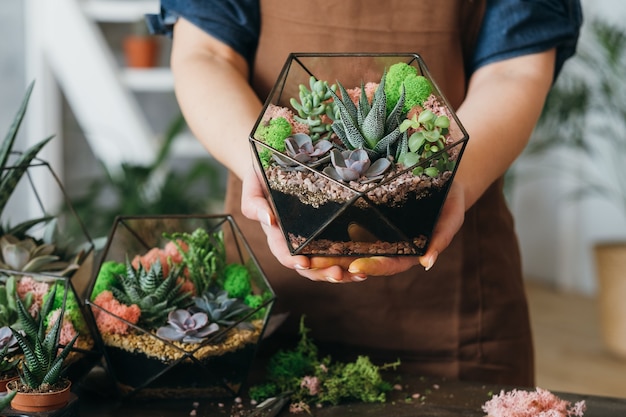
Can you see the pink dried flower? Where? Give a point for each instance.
(539, 403)
(109, 324)
(311, 383)
(355, 93)
(299, 407)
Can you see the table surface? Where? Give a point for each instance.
(437, 398)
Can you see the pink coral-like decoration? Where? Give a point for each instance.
(67, 328)
(28, 284)
(274, 111)
(355, 93)
(539, 403)
(107, 323)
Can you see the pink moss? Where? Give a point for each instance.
(107, 323)
(277, 111)
(29, 285)
(539, 403)
(67, 328)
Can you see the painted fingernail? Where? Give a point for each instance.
(359, 277)
(332, 279)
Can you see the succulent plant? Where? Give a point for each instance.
(7, 340)
(314, 104)
(204, 257)
(220, 307)
(43, 360)
(28, 255)
(354, 165)
(154, 294)
(186, 327)
(300, 147)
(426, 141)
(367, 126)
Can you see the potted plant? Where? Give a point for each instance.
(349, 158)
(141, 49)
(35, 249)
(582, 133)
(41, 385)
(181, 304)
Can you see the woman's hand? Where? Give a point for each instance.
(347, 269)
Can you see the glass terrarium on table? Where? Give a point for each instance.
(42, 247)
(181, 305)
(357, 153)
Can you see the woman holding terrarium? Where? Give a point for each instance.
(459, 310)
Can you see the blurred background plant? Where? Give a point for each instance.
(158, 188)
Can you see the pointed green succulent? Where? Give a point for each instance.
(11, 175)
(43, 360)
(154, 294)
(366, 126)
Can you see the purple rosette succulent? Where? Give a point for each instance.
(352, 165)
(186, 327)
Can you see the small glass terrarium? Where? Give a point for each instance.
(181, 305)
(357, 153)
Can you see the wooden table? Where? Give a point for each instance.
(437, 398)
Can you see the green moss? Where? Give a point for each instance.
(360, 380)
(72, 308)
(237, 281)
(107, 277)
(417, 90)
(274, 134)
(417, 87)
(394, 79)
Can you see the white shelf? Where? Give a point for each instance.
(148, 80)
(119, 11)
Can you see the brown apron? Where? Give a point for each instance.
(466, 318)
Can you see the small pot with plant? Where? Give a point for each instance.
(181, 305)
(141, 49)
(41, 385)
(8, 362)
(357, 153)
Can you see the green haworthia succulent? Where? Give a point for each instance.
(366, 126)
(43, 360)
(154, 294)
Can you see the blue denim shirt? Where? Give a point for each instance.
(510, 27)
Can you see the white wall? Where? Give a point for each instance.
(557, 234)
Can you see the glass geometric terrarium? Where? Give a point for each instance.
(43, 247)
(181, 305)
(357, 153)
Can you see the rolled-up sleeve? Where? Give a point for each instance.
(236, 23)
(514, 28)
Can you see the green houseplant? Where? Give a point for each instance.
(581, 135)
(349, 157)
(41, 386)
(181, 304)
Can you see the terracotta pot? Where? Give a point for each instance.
(4, 381)
(611, 271)
(141, 51)
(39, 402)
